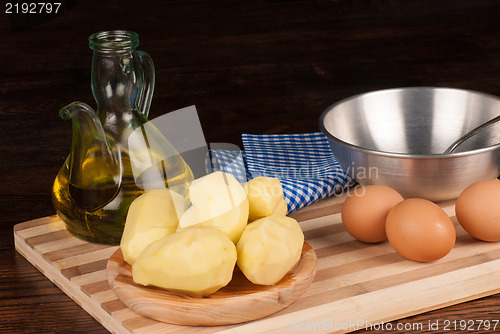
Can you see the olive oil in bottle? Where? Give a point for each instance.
(97, 214)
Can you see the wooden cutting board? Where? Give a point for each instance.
(355, 284)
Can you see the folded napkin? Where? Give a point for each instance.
(303, 162)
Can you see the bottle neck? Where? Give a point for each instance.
(114, 81)
(116, 78)
(114, 41)
(117, 81)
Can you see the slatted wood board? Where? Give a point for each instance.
(356, 283)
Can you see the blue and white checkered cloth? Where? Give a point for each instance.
(232, 162)
(303, 162)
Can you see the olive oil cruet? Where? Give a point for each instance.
(116, 153)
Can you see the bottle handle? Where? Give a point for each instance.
(147, 82)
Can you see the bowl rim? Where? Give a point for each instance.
(397, 154)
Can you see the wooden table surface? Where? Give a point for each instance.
(248, 66)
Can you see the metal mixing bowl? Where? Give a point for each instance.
(396, 137)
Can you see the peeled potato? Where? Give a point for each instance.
(265, 196)
(216, 193)
(281, 208)
(198, 261)
(218, 201)
(268, 248)
(150, 217)
(232, 222)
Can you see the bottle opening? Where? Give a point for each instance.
(113, 41)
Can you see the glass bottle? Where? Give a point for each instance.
(116, 153)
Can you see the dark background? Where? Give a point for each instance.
(248, 66)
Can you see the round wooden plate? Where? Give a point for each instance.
(237, 302)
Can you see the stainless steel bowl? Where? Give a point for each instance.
(396, 137)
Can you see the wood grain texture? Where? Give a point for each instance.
(239, 301)
(355, 282)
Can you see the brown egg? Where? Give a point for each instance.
(365, 209)
(478, 210)
(420, 230)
